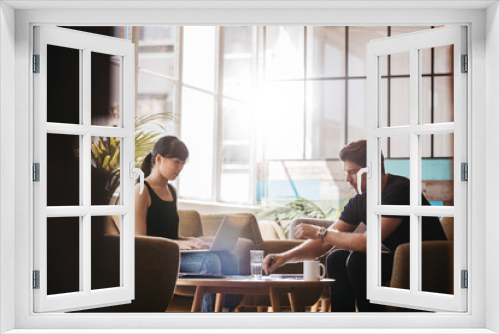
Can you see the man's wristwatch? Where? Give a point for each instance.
(322, 233)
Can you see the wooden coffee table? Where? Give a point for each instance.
(248, 285)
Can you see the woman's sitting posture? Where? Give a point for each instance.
(156, 214)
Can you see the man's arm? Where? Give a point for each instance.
(308, 250)
(340, 234)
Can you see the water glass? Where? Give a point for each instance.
(256, 257)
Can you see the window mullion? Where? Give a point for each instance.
(218, 126)
(415, 253)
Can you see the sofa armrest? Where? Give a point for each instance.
(279, 246)
(156, 271)
(437, 267)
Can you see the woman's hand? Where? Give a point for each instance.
(272, 262)
(193, 243)
(306, 231)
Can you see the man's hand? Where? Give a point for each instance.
(307, 231)
(272, 262)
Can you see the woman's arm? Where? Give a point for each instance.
(142, 203)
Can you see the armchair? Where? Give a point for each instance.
(437, 261)
(156, 268)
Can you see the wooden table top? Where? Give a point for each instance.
(250, 282)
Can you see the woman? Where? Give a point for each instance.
(156, 213)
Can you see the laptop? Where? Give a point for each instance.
(226, 236)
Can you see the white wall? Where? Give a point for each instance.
(7, 149)
(205, 208)
(23, 218)
(492, 151)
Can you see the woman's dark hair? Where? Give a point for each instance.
(356, 152)
(167, 147)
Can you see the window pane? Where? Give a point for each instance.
(237, 122)
(157, 48)
(443, 63)
(396, 151)
(326, 52)
(282, 120)
(384, 99)
(106, 89)
(358, 38)
(63, 255)
(396, 250)
(397, 91)
(284, 52)
(325, 118)
(437, 256)
(105, 173)
(400, 63)
(356, 118)
(197, 131)
(63, 170)
(437, 91)
(443, 99)
(63, 85)
(198, 63)
(239, 62)
(426, 60)
(320, 181)
(437, 173)
(235, 186)
(105, 252)
(400, 101)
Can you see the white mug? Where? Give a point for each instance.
(312, 271)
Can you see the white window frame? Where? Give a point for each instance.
(85, 43)
(413, 43)
(482, 316)
(218, 95)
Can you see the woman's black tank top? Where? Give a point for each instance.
(162, 219)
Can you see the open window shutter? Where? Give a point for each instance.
(415, 132)
(83, 147)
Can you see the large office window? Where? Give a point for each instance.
(265, 110)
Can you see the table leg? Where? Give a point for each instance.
(275, 299)
(295, 304)
(198, 299)
(219, 301)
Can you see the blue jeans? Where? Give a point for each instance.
(214, 263)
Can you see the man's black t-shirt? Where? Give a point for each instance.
(396, 192)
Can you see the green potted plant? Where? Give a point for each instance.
(300, 208)
(106, 152)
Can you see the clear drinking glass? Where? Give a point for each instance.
(256, 257)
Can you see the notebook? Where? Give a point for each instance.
(226, 236)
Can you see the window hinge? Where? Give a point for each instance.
(465, 279)
(36, 172)
(464, 171)
(36, 63)
(36, 279)
(465, 64)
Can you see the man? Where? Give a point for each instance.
(347, 263)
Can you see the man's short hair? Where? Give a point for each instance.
(356, 152)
